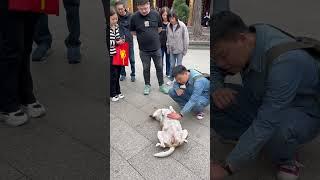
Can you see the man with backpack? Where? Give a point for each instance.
(191, 91)
(276, 109)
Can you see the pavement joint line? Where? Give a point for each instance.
(187, 168)
(62, 131)
(129, 159)
(18, 170)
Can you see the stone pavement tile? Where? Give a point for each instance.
(128, 113)
(149, 129)
(197, 132)
(157, 96)
(23, 178)
(137, 99)
(152, 168)
(195, 157)
(41, 152)
(309, 157)
(80, 116)
(120, 169)
(150, 107)
(8, 172)
(125, 140)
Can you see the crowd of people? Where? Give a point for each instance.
(163, 38)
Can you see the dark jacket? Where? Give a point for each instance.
(163, 35)
(124, 24)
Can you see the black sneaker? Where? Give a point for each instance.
(40, 53)
(73, 55)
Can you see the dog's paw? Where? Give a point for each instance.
(158, 144)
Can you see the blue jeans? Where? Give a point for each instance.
(296, 127)
(132, 64)
(43, 36)
(174, 58)
(203, 101)
(164, 52)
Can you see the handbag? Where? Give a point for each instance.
(121, 58)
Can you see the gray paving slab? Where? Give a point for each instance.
(8, 172)
(198, 132)
(126, 140)
(43, 153)
(120, 169)
(152, 168)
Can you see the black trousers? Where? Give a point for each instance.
(16, 38)
(114, 79)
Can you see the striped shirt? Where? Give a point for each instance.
(113, 36)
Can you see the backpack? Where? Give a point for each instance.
(312, 46)
(205, 75)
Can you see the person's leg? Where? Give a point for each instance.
(181, 100)
(158, 63)
(73, 21)
(201, 104)
(123, 73)
(132, 63)
(25, 78)
(42, 35)
(172, 64)
(167, 63)
(118, 90)
(12, 35)
(146, 63)
(232, 122)
(179, 59)
(296, 128)
(113, 80)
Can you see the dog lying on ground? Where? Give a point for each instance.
(171, 134)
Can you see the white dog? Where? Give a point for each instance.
(171, 134)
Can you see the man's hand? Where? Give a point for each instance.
(180, 92)
(224, 97)
(217, 172)
(121, 41)
(175, 116)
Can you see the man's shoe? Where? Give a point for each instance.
(40, 53)
(14, 119)
(146, 90)
(122, 78)
(133, 78)
(200, 115)
(34, 110)
(164, 89)
(73, 55)
(289, 172)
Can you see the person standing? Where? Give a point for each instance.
(163, 38)
(177, 41)
(147, 25)
(43, 37)
(124, 23)
(17, 100)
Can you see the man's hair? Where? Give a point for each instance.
(226, 26)
(142, 2)
(180, 69)
(120, 2)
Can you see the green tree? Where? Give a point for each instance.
(182, 9)
(112, 2)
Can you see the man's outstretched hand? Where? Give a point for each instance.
(217, 172)
(224, 97)
(175, 116)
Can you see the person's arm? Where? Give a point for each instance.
(159, 23)
(199, 86)
(185, 40)
(132, 26)
(283, 82)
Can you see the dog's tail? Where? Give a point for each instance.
(165, 153)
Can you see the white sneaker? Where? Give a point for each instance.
(114, 99)
(34, 110)
(16, 118)
(120, 96)
(169, 83)
(200, 116)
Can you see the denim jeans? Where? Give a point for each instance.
(43, 36)
(167, 55)
(175, 59)
(146, 62)
(132, 64)
(16, 38)
(295, 128)
(182, 100)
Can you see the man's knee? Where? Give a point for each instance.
(172, 93)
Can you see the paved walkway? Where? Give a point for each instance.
(134, 134)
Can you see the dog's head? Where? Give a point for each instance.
(159, 114)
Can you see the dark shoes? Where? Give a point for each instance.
(73, 55)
